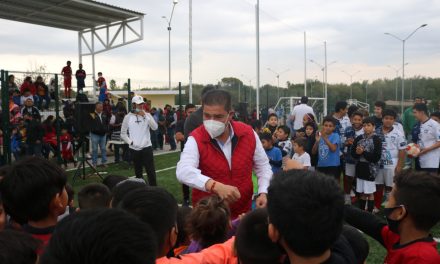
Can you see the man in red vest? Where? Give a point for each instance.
(220, 155)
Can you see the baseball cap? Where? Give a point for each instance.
(137, 99)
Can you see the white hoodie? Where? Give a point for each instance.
(135, 130)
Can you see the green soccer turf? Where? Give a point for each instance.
(167, 179)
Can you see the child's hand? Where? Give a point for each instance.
(359, 150)
(318, 136)
(349, 141)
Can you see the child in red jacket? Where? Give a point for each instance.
(66, 147)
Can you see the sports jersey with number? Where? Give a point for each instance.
(428, 136)
(341, 125)
(392, 143)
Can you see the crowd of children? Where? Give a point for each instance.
(123, 219)
(309, 218)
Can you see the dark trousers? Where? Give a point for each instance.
(160, 139)
(46, 98)
(154, 141)
(144, 158)
(170, 134)
(334, 171)
(122, 147)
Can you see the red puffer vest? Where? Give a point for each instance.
(213, 164)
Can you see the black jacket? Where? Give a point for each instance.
(99, 126)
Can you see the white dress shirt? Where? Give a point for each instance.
(188, 171)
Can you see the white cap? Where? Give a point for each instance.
(137, 99)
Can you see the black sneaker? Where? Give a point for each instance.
(185, 203)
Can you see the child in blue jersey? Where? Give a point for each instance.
(327, 147)
(273, 153)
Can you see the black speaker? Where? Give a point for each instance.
(82, 117)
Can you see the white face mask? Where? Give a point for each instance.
(214, 128)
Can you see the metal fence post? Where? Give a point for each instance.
(6, 128)
(129, 94)
(57, 122)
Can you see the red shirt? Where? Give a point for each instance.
(419, 251)
(67, 72)
(42, 234)
(28, 86)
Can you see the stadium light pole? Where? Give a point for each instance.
(278, 78)
(403, 59)
(351, 81)
(323, 71)
(397, 75)
(169, 41)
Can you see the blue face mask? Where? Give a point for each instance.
(393, 225)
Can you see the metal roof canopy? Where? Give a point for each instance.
(92, 20)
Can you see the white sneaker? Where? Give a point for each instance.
(375, 210)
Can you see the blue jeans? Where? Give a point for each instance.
(170, 134)
(40, 101)
(101, 141)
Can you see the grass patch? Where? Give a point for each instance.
(167, 179)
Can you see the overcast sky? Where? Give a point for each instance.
(224, 41)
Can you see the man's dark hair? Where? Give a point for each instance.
(17, 247)
(112, 180)
(369, 120)
(421, 108)
(352, 109)
(380, 104)
(99, 73)
(307, 209)
(436, 114)
(302, 142)
(94, 195)
(88, 236)
(419, 192)
(252, 242)
(206, 89)
(389, 112)
(189, 106)
(69, 62)
(123, 188)
(418, 98)
(155, 206)
(357, 113)
(29, 186)
(329, 119)
(218, 97)
(285, 128)
(304, 99)
(340, 105)
(98, 103)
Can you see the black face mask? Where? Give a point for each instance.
(393, 225)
